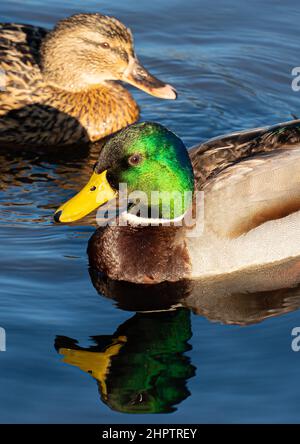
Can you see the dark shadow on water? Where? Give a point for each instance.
(240, 298)
(36, 126)
(138, 297)
(141, 368)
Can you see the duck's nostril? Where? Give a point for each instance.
(57, 216)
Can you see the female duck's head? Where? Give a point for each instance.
(144, 162)
(85, 50)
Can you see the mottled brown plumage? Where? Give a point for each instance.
(60, 86)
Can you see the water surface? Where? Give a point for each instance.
(221, 358)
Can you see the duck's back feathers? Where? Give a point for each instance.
(25, 115)
(249, 193)
(19, 64)
(213, 156)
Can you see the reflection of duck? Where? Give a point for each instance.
(239, 298)
(141, 297)
(142, 367)
(251, 187)
(59, 87)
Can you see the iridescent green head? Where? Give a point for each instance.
(154, 165)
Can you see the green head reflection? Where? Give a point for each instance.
(142, 368)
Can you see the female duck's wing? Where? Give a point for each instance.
(27, 116)
(19, 64)
(212, 157)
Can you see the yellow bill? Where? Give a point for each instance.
(96, 193)
(95, 363)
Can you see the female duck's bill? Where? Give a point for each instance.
(147, 158)
(138, 76)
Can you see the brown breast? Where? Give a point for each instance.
(145, 255)
(100, 111)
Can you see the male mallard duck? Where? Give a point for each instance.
(59, 86)
(249, 206)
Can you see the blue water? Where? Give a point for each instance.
(231, 63)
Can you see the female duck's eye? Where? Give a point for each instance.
(104, 45)
(135, 159)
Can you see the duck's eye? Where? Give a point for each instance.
(104, 45)
(93, 188)
(135, 159)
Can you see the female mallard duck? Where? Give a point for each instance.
(249, 206)
(59, 87)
